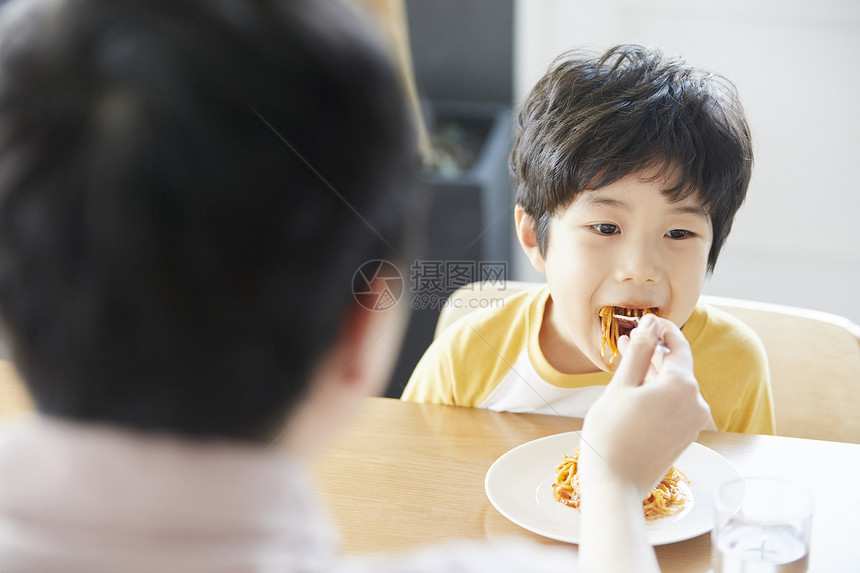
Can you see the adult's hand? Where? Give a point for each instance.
(650, 412)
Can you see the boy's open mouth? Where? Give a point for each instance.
(617, 321)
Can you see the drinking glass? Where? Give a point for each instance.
(762, 526)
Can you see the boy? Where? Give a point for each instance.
(629, 168)
(186, 190)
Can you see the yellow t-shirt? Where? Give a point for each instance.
(492, 359)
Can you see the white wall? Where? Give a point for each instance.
(796, 64)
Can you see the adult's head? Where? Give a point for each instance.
(186, 190)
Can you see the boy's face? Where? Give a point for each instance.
(622, 245)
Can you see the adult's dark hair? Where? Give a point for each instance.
(186, 190)
(596, 118)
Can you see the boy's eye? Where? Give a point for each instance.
(605, 228)
(679, 234)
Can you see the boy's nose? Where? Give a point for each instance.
(639, 263)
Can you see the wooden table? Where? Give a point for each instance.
(406, 475)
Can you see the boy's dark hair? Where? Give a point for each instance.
(594, 119)
(187, 188)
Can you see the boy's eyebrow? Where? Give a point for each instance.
(691, 210)
(592, 199)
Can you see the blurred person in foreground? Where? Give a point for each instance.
(186, 190)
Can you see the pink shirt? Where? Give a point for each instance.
(77, 498)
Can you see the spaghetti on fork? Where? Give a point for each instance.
(616, 321)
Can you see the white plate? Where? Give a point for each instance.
(519, 485)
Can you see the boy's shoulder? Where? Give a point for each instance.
(713, 331)
(731, 365)
(497, 333)
(496, 314)
(485, 340)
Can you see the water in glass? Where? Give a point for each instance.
(745, 548)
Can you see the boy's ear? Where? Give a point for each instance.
(527, 235)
